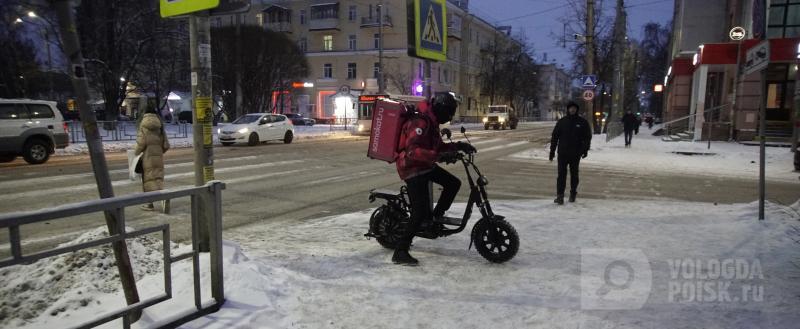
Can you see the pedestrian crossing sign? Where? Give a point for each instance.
(589, 81)
(430, 30)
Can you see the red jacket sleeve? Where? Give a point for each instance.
(418, 148)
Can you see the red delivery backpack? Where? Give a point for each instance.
(388, 118)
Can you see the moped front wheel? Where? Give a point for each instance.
(388, 226)
(495, 239)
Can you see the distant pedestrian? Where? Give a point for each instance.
(151, 141)
(630, 123)
(572, 137)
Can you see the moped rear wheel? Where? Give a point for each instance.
(388, 225)
(496, 240)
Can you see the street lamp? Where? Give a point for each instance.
(46, 37)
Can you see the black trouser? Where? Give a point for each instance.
(628, 136)
(561, 183)
(419, 195)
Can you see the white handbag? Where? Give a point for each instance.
(133, 159)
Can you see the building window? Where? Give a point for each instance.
(302, 17)
(780, 91)
(327, 71)
(784, 19)
(327, 43)
(351, 41)
(351, 13)
(328, 11)
(376, 70)
(377, 38)
(351, 71)
(446, 76)
(260, 19)
(303, 44)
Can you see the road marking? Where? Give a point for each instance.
(341, 178)
(500, 147)
(51, 179)
(126, 182)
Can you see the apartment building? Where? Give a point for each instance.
(707, 92)
(341, 40)
(555, 93)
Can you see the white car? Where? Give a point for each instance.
(255, 128)
(31, 128)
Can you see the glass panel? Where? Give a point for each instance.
(773, 92)
(776, 15)
(38, 111)
(792, 72)
(792, 32)
(788, 97)
(774, 2)
(775, 32)
(793, 15)
(777, 72)
(8, 111)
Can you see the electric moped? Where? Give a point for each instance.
(493, 237)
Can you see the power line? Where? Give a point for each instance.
(535, 13)
(646, 3)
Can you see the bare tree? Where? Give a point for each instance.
(399, 77)
(271, 62)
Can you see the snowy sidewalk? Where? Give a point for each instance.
(301, 132)
(644, 260)
(649, 154)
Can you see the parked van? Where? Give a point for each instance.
(32, 129)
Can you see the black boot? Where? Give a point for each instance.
(572, 196)
(401, 256)
(559, 199)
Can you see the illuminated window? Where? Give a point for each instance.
(327, 71)
(327, 43)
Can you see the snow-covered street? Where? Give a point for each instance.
(323, 273)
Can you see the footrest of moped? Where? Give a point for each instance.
(447, 220)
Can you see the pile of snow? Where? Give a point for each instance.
(57, 286)
(323, 273)
(649, 154)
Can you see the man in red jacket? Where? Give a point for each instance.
(421, 147)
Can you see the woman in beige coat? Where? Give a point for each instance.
(151, 141)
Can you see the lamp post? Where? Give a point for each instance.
(46, 37)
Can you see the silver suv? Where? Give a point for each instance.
(31, 128)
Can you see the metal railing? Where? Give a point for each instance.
(123, 130)
(212, 192)
(676, 125)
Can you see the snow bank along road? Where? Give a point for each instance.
(316, 178)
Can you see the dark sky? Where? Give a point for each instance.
(539, 19)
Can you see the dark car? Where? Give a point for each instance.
(300, 120)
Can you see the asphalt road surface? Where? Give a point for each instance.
(321, 177)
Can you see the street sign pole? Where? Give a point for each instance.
(200, 52)
(762, 117)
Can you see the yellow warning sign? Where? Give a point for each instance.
(207, 135)
(431, 31)
(202, 106)
(208, 173)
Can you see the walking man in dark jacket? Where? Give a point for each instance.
(572, 137)
(630, 123)
(421, 147)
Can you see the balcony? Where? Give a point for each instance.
(279, 27)
(373, 21)
(323, 24)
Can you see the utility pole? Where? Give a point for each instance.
(238, 66)
(590, 59)
(381, 86)
(619, 82)
(72, 48)
(200, 52)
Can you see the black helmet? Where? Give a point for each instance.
(444, 106)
